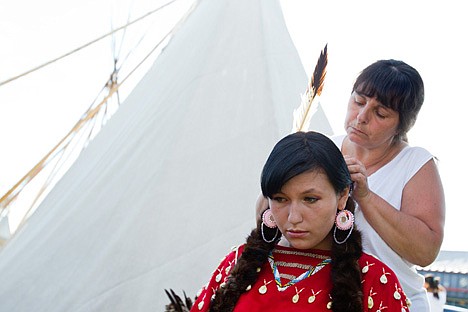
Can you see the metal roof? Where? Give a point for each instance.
(449, 262)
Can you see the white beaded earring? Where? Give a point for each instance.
(269, 221)
(344, 221)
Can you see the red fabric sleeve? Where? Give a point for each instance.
(202, 303)
(381, 289)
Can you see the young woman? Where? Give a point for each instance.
(319, 265)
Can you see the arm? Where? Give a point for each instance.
(416, 231)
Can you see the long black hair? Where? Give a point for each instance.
(295, 154)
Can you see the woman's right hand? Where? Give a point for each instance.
(359, 176)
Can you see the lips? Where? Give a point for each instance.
(296, 233)
(353, 129)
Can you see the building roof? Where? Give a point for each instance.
(449, 262)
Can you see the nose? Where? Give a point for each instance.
(363, 115)
(295, 215)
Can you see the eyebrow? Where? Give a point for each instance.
(311, 190)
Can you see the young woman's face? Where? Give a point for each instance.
(305, 210)
(369, 123)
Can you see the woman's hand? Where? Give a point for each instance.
(359, 176)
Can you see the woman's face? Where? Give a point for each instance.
(369, 123)
(305, 210)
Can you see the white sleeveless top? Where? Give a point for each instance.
(388, 182)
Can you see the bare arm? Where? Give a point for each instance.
(416, 231)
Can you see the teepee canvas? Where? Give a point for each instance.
(170, 183)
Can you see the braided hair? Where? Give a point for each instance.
(295, 154)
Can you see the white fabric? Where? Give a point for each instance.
(437, 305)
(388, 182)
(170, 183)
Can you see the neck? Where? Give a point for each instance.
(373, 158)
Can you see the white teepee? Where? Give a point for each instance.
(170, 183)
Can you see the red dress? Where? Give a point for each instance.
(303, 283)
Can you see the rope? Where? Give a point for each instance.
(90, 114)
(84, 46)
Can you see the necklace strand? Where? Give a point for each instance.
(311, 271)
(294, 265)
(300, 253)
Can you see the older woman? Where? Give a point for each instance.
(401, 206)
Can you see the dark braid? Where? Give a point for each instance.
(244, 273)
(346, 274)
(293, 155)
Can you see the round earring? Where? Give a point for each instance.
(344, 220)
(269, 227)
(268, 220)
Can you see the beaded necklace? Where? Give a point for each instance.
(311, 271)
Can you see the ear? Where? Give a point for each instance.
(343, 199)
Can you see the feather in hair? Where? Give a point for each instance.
(309, 100)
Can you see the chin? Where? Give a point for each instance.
(301, 245)
(355, 138)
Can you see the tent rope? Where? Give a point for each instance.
(84, 46)
(113, 86)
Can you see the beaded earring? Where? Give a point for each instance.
(268, 219)
(269, 222)
(344, 221)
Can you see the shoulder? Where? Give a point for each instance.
(218, 278)
(380, 285)
(416, 152)
(231, 258)
(410, 160)
(366, 261)
(420, 167)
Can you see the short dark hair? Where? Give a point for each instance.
(396, 85)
